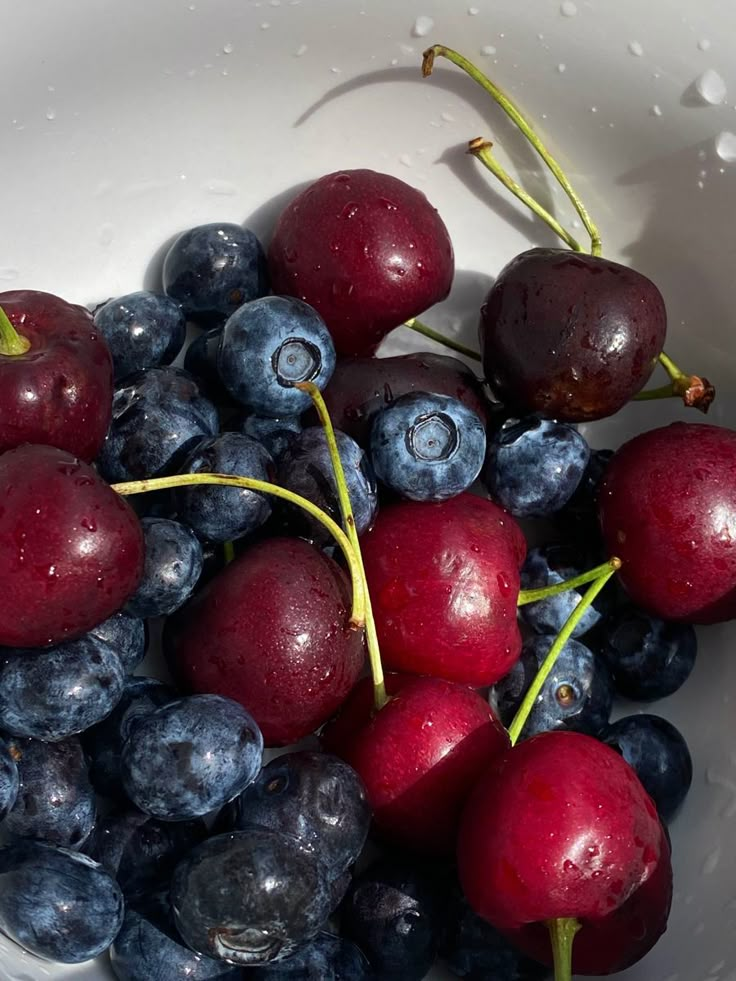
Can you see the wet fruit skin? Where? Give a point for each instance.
(667, 508)
(444, 594)
(71, 549)
(366, 250)
(569, 335)
(60, 391)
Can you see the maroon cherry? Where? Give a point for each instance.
(570, 336)
(419, 758)
(55, 375)
(667, 507)
(364, 248)
(71, 549)
(272, 632)
(359, 387)
(444, 582)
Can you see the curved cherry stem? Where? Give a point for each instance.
(357, 579)
(346, 510)
(228, 552)
(435, 335)
(695, 391)
(544, 592)
(11, 342)
(562, 934)
(519, 720)
(515, 114)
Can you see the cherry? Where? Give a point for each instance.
(359, 387)
(55, 375)
(367, 250)
(272, 632)
(444, 580)
(667, 506)
(71, 551)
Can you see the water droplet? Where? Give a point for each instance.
(710, 863)
(568, 866)
(51, 114)
(473, 11)
(9, 272)
(568, 8)
(725, 144)
(350, 210)
(561, 67)
(710, 87)
(335, 71)
(655, 111)
(302, 49)
(406, 160)
(265, 25)
(422, 26)
(635, 49)
(228, 48)
(448, 117)
(89, 523)
(703, 44)
(487, 50)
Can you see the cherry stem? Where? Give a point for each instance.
(482, 150)
(696, 392)
(515, 114)
(519, 721)
(228, 551)
(357, 579)
(562, 934)
(435, 335)
(346, 510)
(11, 342)
(543, 592)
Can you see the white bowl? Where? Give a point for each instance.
(124, 123)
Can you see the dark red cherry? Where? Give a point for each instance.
(367, 250)
(569, 335)
(71, 549)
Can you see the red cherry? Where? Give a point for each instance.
(667, 508)
(271, 631)
(71, 549)
(356, 712)
(559, 827)
(364, 248)
(59, 392)
(419, 758)
(444, 581)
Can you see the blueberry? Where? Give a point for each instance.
(577, 694)
(56, 802)
(533, 466)
(139, 851)
(157, 417)
(583, 505)
(55, 692)
(172, 567)
(547, 566)
(142, 330)
(251, 897)
(200, 360)
(649, 658)
(148, 948)
(314, 796)
(217, 513)
(191, 757)
(659, 754)
(394, 912)
(213, 269)
(427, 447)
(269, 345)
(326, 958)
(9, 781)
(275, 434)
(127, 635)
(57, 904)
(305, 468)
(104, 742)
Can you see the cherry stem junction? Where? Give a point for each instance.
(562, 934)
(11, 342)
(544, 592)
(695, 392)
(228, 552)
(357, 577)
(519, 720)
(346, 510)
(515, 114)
(435, 335)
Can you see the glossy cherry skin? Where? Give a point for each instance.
(366, 250)
(667, 508)
(419, 758)
(271, 631)
(359, 387)
(559, 826)
(444, 580)
(569, 335)
(60, 391)
(71, 549)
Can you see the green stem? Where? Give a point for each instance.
(562, 638)
(482, 150)
(435, 335)
(228, 551)
(513, 112)
(543, 592)
(562, 934)
(346, 510)
(357, 579)
(696, 392)
(11, 342)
